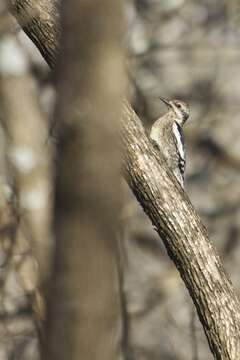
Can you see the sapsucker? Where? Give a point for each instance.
(167, 134)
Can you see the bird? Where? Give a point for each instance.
(167, 135)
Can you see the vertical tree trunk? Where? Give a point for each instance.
(27, 151)
(84, 309)
(30, 171)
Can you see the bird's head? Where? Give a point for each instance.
(180, 109)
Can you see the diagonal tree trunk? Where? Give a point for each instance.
(41, 22)
(185, 238)
(166, 204)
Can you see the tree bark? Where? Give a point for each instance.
(185, 238)
(183, 234)
(41, 22)
(84, 314)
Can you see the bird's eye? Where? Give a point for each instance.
(179, 106)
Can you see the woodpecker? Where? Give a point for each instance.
(167, 134)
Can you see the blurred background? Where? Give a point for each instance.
(183, 49)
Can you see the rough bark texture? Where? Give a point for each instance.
(41, 22)
(85, 305)
(184, 236)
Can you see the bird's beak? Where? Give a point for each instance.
(164, 100)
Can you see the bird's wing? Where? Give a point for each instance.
(180, 147)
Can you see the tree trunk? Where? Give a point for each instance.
(41, 22)
(185, 238)
(84, 318)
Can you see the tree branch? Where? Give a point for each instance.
(41, 22)
(168, 207)
(185, 238)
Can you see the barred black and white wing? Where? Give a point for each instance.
(180, 147)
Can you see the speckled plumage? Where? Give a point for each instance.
(167, 133)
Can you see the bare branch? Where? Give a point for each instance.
(40, 21)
